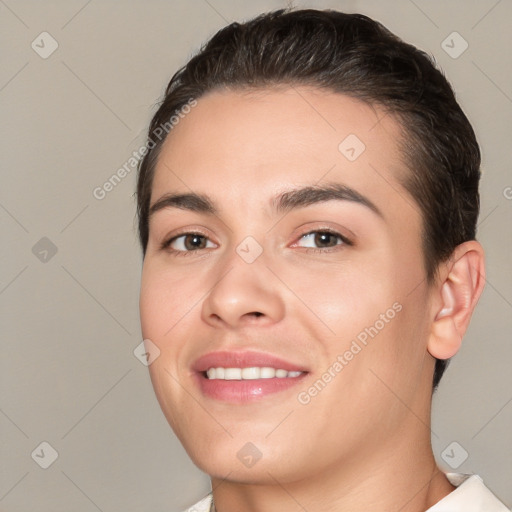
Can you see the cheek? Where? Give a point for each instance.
(153, 302)
(165, 298)
(367, 311)
(342, 298)
(164, 305)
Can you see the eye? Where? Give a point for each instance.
(322, 239)
(188, 242)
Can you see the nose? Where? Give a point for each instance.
(245, 294)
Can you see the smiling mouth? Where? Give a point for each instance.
(245, 376)
(251, 373)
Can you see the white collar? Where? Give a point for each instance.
(471, 495)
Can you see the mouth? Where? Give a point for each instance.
(245, 376)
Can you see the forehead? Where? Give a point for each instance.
(254, 143)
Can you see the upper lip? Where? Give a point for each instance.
(246, 359)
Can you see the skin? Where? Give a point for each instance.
(363, 442)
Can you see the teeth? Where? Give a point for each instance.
(252, 373)
(247, 373)
(232, 373)
(267, 373)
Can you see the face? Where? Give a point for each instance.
(287, 321)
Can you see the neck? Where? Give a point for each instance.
(401, 475)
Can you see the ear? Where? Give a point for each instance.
(460, 285)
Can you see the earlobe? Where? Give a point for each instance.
(445, 339)
(458, 293)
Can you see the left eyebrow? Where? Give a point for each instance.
(307, 196)
(284, 202)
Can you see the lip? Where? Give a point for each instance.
(244, 391)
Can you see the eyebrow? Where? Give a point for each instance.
(284, 202)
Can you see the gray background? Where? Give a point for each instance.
(70, 324)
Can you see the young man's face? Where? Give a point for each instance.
(263, 285)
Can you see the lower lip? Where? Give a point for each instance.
(245, 390)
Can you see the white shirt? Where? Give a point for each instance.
(471, 495)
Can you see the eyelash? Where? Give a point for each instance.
(345, 241)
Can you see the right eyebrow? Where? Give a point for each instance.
(192, 202)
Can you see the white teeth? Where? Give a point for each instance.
(232, 373)
(252, 373)
(267, 373)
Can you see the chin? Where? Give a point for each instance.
(247, 462)
(262, 472)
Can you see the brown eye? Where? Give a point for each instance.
(192, 242)
(322, 240)
(189, 242)
(325, 239)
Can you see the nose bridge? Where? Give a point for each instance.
(244, 289)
